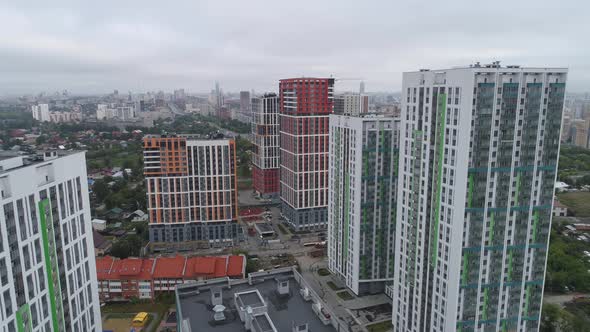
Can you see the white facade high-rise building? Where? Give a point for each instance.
(478, 161)
(361, 205)
(40, 112)
(48, 276)
(266, 140)
(117, 111)
(351, 104)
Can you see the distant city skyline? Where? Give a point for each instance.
(92, 48)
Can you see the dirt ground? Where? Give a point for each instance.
(117, 324)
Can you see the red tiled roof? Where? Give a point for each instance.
(235, 266)
(146, 269)
(220, 267)
(130, 267)
(203, 265)
(103, 266)
(169, 267)
(110, 268)
(114, 274)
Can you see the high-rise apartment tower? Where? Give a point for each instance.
(47, 269)
(478, 161)
(266, 154)
(351, 104)
(361, 205)
(305, 105)
(191, 189)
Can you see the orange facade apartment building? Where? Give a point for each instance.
(191, 189)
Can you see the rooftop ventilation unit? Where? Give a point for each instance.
(305, 293)
(282, 287)
(219, 315)
(216, 296)
(300, 327)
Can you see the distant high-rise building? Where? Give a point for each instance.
(265, 136)
(224, 113)
(244, 101)
(305, 105)
(580, 131)
(218, 96)
(40, 112)
(179, 95)
(478, 162)
(47, 270)
(362, 87)
(122, 111)
(191, 189)
(351, 104)
(362, 204)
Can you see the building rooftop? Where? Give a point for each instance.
(213, 136)
(178, 267)
(496, 66)
(11, 160)
(169, 267)
(264, 228)
(282, 312)
(251, 298)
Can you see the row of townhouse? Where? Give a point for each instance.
(145, 278)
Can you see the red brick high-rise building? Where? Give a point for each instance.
(265, 132)
(305, 106)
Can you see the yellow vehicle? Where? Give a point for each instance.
(140, 319)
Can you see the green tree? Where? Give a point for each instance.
(41, 140)
(128, 246)
(101, 189)
(550, 317)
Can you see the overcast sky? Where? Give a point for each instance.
(98, 46)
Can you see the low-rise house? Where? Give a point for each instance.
(102, 245)
(124, 279)
(99, 224)
(137, 215)
(559, 210)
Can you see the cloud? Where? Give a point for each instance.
(138, 45)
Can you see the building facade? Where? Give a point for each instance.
(265, 136)
(41, 112)
(47, 269)
(116, 111)
(191, 189)
(362, 204)
(478, 158)
(146, 278)
(305, 105)
(245, 101)
(351, 104)
(580, 131)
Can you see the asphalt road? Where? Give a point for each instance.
(175, 109)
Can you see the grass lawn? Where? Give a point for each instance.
(380, 327)
(578, 202)
(333, 286)
(345, 295)
(323, 272)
